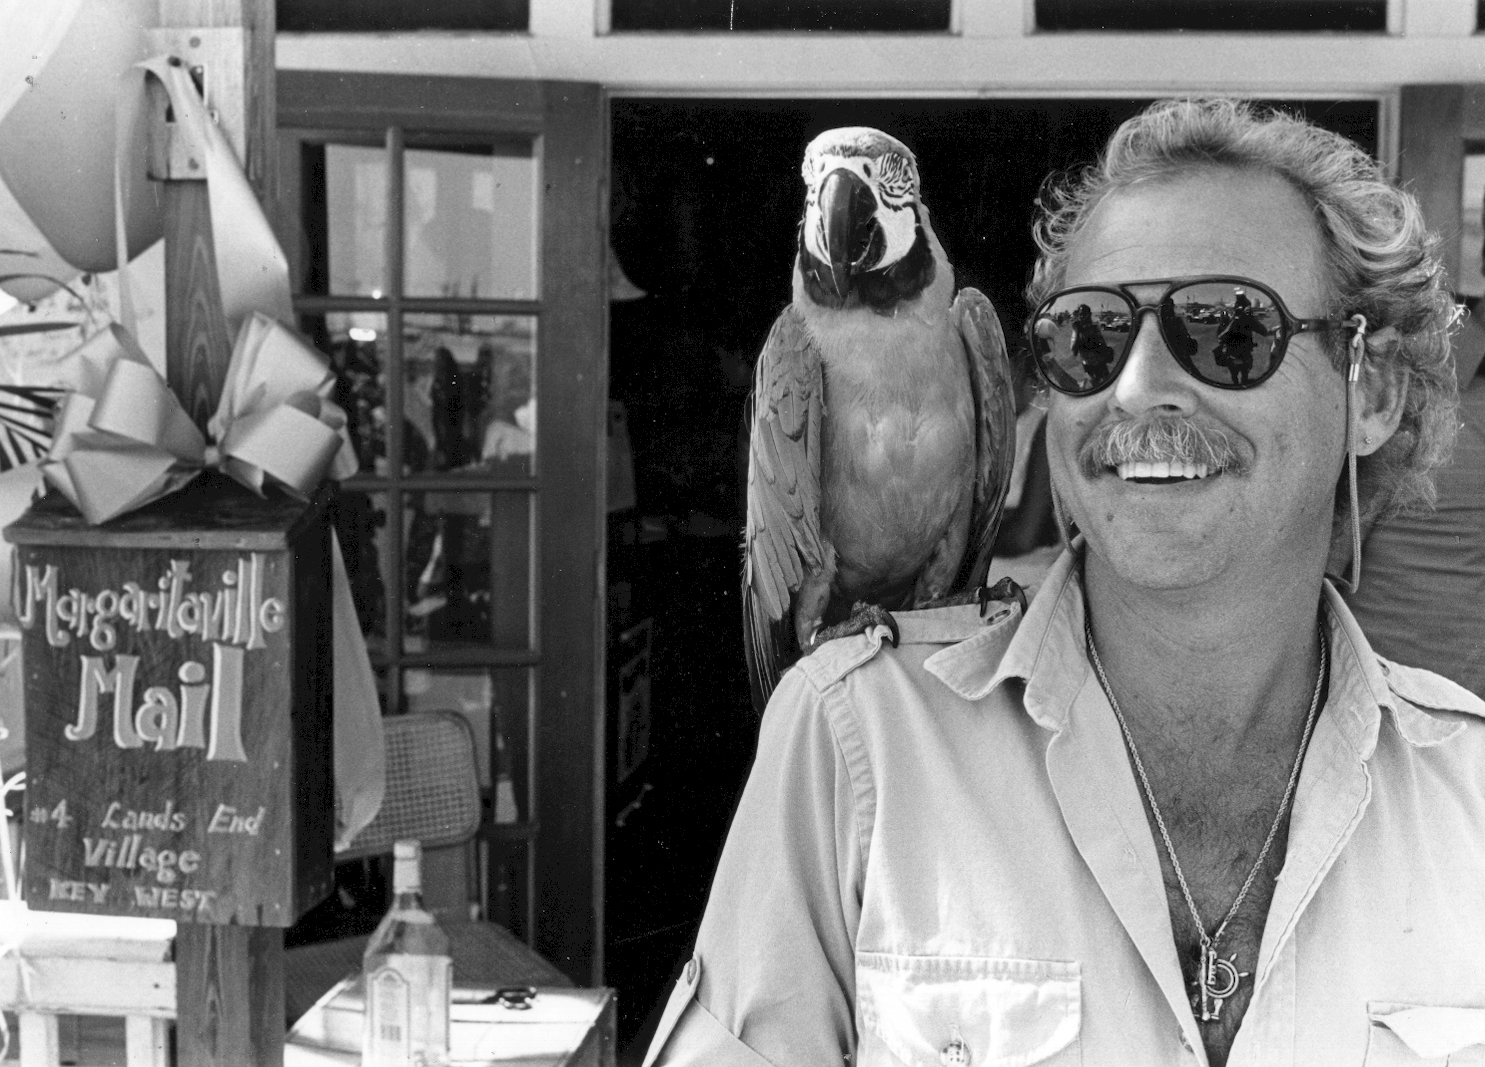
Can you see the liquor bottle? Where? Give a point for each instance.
(408, 976)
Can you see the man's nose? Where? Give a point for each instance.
(1152, 379)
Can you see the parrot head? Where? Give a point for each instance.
(862, 232)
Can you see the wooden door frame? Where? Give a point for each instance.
(571, 122)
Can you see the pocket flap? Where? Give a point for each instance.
(1430, 1030)
(1006, 1012)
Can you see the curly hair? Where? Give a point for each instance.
(1382, 261)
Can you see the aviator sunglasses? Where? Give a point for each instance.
(1225, 331)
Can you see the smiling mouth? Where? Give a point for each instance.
(1163, 473)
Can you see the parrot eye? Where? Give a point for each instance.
(867, 169)
(897, 180)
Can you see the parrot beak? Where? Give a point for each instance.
(848, 217)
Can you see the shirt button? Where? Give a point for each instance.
(691, 970)
(955, 1053)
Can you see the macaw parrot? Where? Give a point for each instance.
(883, 418)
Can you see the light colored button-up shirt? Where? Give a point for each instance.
(941, 857)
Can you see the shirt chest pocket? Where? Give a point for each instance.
(1414, 1035)
(980, 1011)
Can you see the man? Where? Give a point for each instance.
(1180, 813)
(1236, 340)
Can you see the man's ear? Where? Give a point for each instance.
(1383, 392)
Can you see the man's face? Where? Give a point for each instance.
(1271, 514)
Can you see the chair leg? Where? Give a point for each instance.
(146, 1041)
(40, 1045)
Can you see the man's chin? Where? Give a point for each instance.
(1154, 564)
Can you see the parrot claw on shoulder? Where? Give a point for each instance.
(862, 618)
(1005, 589)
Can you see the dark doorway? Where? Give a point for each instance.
(706, 202)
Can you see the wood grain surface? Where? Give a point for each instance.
(162, 827)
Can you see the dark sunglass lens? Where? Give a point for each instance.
(1226, 332)
(1078, 337)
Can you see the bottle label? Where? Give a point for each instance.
(407, 1011)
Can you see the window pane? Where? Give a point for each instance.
(311, 16)
(841, 16)
(355, 207)
(468, 570)
(360, 521)
(1279, 16)
(470, 214)
(496, 705)
(468, 397)
(504, 872)
(356, 342)
(1471, 282)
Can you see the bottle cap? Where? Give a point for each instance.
(407, 865)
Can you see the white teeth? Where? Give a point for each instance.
(1162, 469)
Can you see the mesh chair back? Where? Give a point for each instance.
(433, 792)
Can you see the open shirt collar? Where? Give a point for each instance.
(1048, 655)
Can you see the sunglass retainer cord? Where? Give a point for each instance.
(1356, 353)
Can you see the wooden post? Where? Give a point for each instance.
(228, 46)
(230, 987)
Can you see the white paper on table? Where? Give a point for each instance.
(553, 1026)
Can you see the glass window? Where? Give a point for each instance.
(360, 521)
(355, 205)
(356, 342)
(496, 705)
(467, 576)
(505, 875)
(318, 16)
(469, 393)
(830, 16)
(1231, 16)
(1470, 281)
(471, 221)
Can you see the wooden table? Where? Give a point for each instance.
(560, 1028)
(484, 954)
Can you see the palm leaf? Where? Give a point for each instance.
(25, 424)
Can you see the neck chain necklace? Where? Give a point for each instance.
(1216, 978)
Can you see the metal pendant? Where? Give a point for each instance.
(956, 1052)
(1216, 980)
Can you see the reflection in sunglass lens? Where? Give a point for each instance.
(1232, 331)
(1079, 337)
(1226, 332)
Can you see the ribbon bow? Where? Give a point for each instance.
(122, 440)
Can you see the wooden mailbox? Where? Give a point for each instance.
(178, 707)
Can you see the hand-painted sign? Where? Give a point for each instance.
(177, 667)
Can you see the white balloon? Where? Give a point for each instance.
(32, 32)
(63, 66)
(29, 266)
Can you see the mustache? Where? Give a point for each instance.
(1161, 438)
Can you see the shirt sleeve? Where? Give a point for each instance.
(773, 979)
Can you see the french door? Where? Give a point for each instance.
(447, 240)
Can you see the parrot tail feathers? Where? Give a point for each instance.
(768, 645)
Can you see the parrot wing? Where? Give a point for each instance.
(995, 426)
(781, 542)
